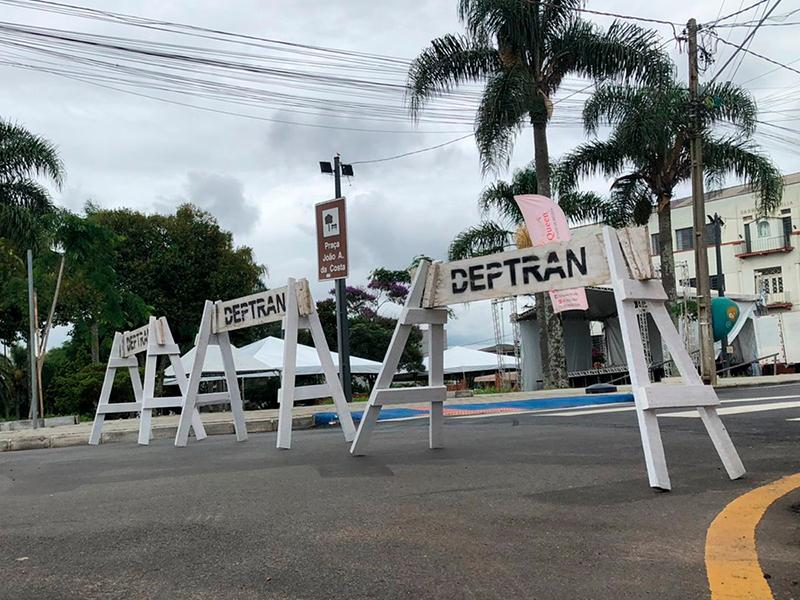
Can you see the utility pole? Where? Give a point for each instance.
(707, 365)
(717, 223)
(34, 379)
(342, 325)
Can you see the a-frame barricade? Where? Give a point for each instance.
(294, 306)
(161, 343)
(435, 392)
(154, 339)
(619, 256)
(120, 358)
(650, 397)
(297, 318)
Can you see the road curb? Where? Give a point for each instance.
(64, 440)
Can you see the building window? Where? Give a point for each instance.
(769, 284)
(684, 239)
(655, 244)
(763, 229)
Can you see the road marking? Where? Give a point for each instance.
(693, 413)
(737, 410)
(731, 558)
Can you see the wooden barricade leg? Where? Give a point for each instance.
(652, 445)
(239, 426)
(435, 393)
(650, 397)
(104, 406)
(161, 343)
(193, 384)
(436, 378)
(332, 381)
(287, 391)
(713, 424)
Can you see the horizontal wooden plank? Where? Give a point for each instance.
(564, 265)
(119, 407)
(123, 363)
(435, 393)
(631, 290)
(163, 402)
(164, 349)
(635, 244)
(421, 316)
(213, 398)
(312, 392)
(659, 395)
(134, 342)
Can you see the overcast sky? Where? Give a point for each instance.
(262, 179)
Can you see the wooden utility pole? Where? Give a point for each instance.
(707, 364)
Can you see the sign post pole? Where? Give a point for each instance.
(333, 263)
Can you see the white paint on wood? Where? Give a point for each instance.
(104, 406)
(563, 265)
(134, 342)
(411, 395)
(422, 316)
(635, 244)
(658, 395)
(247, 311)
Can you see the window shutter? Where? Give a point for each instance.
(747, 237)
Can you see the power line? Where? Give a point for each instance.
(734, 14)
(740, 46)
(762, 57)
(617, 15)
(420, 151)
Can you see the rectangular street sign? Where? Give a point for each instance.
(135, 341)
(331, 239)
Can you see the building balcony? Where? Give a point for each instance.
(760, 246)
(778, 300)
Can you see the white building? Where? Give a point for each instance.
(758, 254)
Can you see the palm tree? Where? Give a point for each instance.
(491, 236)
(648, 149)
(523, 49)
(25, 156)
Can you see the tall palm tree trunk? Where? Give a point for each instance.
(665, 248)
(551, 331)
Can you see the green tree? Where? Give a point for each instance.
(523, 51)
(648, 149)
(24, 157)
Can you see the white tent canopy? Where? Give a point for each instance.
(269, 350)
(459, 359)
(246, 364)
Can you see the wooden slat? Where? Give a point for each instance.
(422, 316)
(163, 402)
(213, 398)
(437, 393)
(247, 311)
(635, 243)
(120, 407)
(659, 395)
(116, 363)
(631, 290)
(159, 349)
(564, 265)
(312, 392)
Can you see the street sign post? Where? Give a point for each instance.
(331, 240)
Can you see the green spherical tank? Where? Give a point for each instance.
(724, 314)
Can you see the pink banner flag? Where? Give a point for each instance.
(547, 223)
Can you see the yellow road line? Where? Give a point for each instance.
(731, 558)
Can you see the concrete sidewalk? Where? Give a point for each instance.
(219, 423)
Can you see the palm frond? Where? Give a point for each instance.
(631, 202)
(624, 50)
(731, 155)
(507, 100)
(27, 194)
(448, 62)
(487, 238)
(24, 154)
(726, 101)
(604, 157)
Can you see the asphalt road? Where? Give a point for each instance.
(516, 506)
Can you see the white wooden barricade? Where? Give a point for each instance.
(294, 306)
(619, 256)
(155, 339)
(435, 392)
(161, 343)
